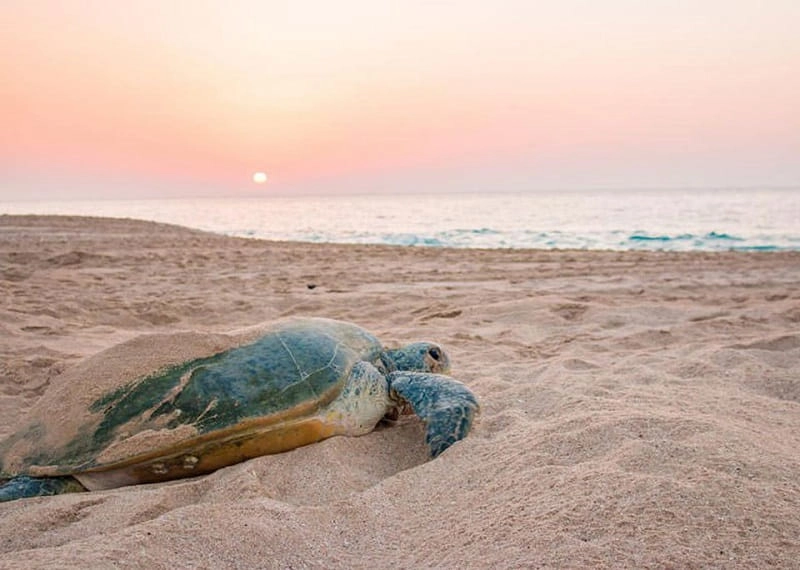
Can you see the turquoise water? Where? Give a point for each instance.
(675, 220)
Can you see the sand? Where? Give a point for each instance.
(639, 410)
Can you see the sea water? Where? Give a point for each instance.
(675, 220)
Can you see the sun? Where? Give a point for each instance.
(259, 177)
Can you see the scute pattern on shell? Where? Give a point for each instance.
(298, 364)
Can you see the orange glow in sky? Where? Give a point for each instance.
(152, 98)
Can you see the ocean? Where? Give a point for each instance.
(673, 220)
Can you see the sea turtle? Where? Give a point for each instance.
(165, 406)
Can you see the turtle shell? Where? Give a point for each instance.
(164, 406)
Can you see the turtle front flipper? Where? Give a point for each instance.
(24, 486)
(446, 405)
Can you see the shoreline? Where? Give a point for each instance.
(639, 408)
(608, 220)
(37, 220)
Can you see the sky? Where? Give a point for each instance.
(119, 99)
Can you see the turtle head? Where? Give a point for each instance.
(420, 357)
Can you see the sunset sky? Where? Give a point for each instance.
(164, 98)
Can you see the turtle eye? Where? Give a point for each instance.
(435, 353)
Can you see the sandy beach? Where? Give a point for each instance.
(639, 410)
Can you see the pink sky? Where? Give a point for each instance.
(139, 99)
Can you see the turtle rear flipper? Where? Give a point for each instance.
(24, 486)
(446, 405)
